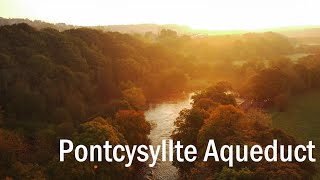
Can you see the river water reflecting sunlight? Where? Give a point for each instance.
(162, 117)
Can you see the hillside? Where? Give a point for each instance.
(292, 32)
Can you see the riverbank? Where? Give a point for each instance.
(161, 117)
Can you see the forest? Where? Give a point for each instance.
(91, 86)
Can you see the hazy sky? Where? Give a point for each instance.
(204, 14)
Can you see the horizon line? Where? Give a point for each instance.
(285, 27)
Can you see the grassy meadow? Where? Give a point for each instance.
(301, 119)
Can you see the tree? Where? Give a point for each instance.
(168, 34)
(189, 122)
(13, 151)
(220, 93)
(128, 70)
(27, 171)
(266, 85)
(44, 145)
(1, 116)
(233, 174)
(255, 120)
(187, 127)
(221, 125)
(95, 131)
(133, 125)
(135, 97)
(65, 130)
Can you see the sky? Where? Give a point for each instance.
(198, 14)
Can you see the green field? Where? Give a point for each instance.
(302, 119)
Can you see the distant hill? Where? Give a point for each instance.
(309, 35)
(131, 29)
(298, 31)
(301, 32)
(36, 24)
(145, 28)
(155, 28)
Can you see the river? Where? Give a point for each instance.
(162, 117)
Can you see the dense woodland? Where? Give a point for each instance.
(215, 115)
(92, 86)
